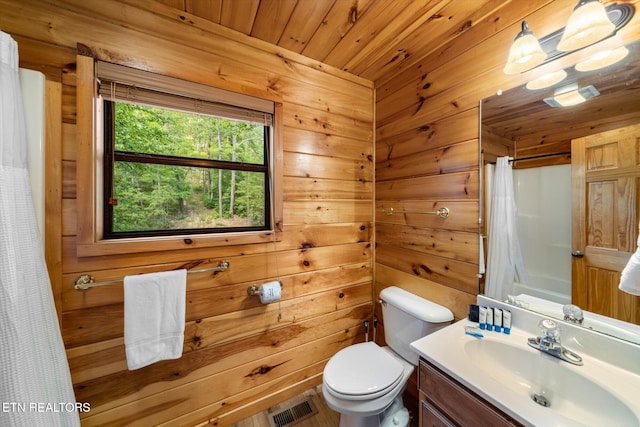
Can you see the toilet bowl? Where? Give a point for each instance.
(350, 388)
(364, 382)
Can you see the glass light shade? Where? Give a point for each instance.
(602, 59)
(589, 23)
(525, 52)
(547, 80)
(570, 98)
(571, 95)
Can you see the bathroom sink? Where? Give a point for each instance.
(535, 388)
(561, 389)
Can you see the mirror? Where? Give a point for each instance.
(519, 124)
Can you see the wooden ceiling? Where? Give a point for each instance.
(374, 39)
(378, 39)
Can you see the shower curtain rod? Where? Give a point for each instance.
(539, 156)
(86, 281)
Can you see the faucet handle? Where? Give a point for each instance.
(550, 343)
(550, 330)
(573, 313)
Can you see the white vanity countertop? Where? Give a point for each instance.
(597, 393)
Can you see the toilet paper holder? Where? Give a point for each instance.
(254, 290)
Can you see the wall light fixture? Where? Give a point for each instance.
(528, 52)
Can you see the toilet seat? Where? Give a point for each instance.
(362, 371)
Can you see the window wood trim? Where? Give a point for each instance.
(89, 186)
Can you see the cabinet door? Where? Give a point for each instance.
(459, 404)
(431, 417)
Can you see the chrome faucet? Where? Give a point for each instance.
(573, 314)
(549, 343)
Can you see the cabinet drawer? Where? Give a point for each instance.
(456, 402)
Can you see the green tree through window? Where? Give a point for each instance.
(172, 172)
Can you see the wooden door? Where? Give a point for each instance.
(605, 175)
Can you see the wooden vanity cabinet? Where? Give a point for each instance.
(445, 402)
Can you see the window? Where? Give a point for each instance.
(178, 161)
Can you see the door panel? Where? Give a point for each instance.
(601, 229)
(605, 203)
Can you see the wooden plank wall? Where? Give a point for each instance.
(239, 357)
(427, 150)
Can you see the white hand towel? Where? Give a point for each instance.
(154, 309)
(630, 277)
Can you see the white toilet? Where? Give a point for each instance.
(364, 382)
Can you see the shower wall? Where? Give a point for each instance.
(543, 197)
(32, 88)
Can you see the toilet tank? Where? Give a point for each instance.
(408, 317)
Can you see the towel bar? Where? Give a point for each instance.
(86, 281)
(442, 212)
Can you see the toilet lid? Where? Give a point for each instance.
(362, 369)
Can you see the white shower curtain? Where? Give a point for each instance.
(504, 263)
(35, 384)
